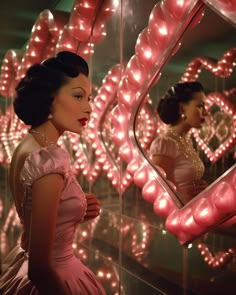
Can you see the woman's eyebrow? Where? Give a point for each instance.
(78, 87)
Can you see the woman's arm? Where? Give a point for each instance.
(165, 162)
(46, 193)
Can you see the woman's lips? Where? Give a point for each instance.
(83, 121)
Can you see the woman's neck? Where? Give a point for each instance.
(180, 130)
(47, 131)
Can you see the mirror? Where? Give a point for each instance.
(138, 79)
(216, 139)
(215, 142)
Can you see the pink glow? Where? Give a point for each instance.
(228, 108)
(167, 22)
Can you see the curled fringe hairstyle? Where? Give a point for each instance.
(36, 91)
(169, 106)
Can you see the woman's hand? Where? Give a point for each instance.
(93, 207)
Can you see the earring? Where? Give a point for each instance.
(183, 116)
(50, 116)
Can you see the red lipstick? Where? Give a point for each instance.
(83, 121)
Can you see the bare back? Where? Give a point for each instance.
(27, 146)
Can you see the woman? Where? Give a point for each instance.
(182, 108)
(52, 98)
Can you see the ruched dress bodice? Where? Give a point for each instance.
(184, 170)
(72, 202)
(72, 208)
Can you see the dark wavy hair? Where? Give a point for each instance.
(169, 106)
(35, 92)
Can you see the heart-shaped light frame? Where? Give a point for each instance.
(228, 108)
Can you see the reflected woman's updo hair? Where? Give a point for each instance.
(169, 106)
(36, 91)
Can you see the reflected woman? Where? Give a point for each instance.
(182, 108)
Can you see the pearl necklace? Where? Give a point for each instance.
(43, 136)
(186, 146)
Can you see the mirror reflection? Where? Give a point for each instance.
(182, 108)
(213, 142)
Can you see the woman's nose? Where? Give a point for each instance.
(89, 108)
(205, 113)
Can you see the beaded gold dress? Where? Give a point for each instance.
(187, 166)
(78, 279)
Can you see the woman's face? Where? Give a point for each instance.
(195, 110)
(71, 107)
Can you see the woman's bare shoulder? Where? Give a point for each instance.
(22, 151)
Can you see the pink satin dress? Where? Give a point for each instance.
(184, 171)
(77, 277)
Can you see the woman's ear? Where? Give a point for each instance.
(182, 108)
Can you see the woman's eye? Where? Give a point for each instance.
(79, 96)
